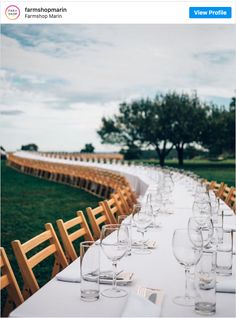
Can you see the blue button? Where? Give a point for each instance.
(210, 12)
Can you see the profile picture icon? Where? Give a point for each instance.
(12, 12)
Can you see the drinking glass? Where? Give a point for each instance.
(188, 255)
(150, 210)
(89, 270)
(195, 224)
(215, 206)
(224, 254)
(127, 221)
(142, 219)
(114, 243)
(205, 284)
(202, 210)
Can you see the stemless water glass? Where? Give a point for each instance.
(188, 255)
(114, 243)
(205, 284)
(142, 219)
(89, 267)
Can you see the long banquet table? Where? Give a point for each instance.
(159, 269)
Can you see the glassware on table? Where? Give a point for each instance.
(224, 254)
(142, 219)
(114, 243)
(201, 193)
(149, 209)
(155, 204)
(196, 224)
(188, 255)
(205, 284)
(127, 221)
(202, 210)
(89, 270)
(215, 206)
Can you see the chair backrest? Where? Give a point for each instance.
(26, 264)
(8, 281)
(97, 216)
(211, 185)
(225, 193)
(68, 239)
(120, 202)
(112, 209)
(126, 198)
(231, 199)
(219, 189)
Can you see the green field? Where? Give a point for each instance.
(220, 171)
(28, 203)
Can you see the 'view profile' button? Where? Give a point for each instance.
(210, 12)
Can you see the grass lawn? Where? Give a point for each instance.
(220, 171)
(28, 203)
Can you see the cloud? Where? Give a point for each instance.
(56, 41)
(64, 78)
(11, 112)
(220, 57)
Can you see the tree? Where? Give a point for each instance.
(131, 153)
(29, 147)
(219, 135)
(89, 148)
(186, 120)
(138, 124)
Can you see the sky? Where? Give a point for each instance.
(58, 81)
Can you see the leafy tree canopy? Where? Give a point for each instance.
(89, 148)
(29, 147)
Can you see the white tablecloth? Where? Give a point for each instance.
(158, 270)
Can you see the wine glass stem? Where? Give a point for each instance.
(143, 242)
(186, 283)
(114, 265)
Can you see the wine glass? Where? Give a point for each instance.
(188, 255)
(142, 219)
(202, 210)
(114, 243)
(215, 206)
(195, 224)
(156, 205)
(201, 193)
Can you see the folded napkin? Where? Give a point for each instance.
(226, 287)
(71, 276)
(138, 306)
(149, 244)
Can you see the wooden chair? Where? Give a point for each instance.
(26, 265)
(219, 189)
(225, 193)
(97, 216)
(8, 281)
(68, 239)
(231, 199)
(112, 209)
(120, 202)
(211, 185)
(126, 199)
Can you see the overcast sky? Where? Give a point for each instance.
(57, 81)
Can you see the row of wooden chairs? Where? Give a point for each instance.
(76, 228)
(99, 157)
(224, 192)
(100, 182)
